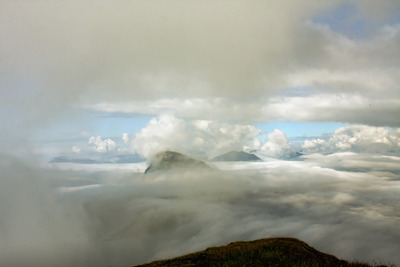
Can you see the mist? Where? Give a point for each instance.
(120, 217)
(197, 77)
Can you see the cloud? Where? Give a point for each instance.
(346, 78)
(100, 145)
(122, 218)
(195, 64)
(358, 138)
(200, 138)
(379, 165)
(207, 139)
(276, 144)
(293, 105)
(311, 145)
(243, 53)
(184, 48)
(209, 108)
(35, 223)
(76, 149)
(125, 138)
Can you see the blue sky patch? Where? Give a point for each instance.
(301, 129)
(346, 19)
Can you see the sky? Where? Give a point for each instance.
(115, 82)
(106, 69)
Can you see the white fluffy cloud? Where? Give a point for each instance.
(125, 138)
(76, 149)
(312, 144)
(358, 138)
(205, 139)
(100, 145)
(199, 137)
(275, 145)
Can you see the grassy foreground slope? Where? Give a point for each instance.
(263, 252)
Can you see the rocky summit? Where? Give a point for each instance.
(170, 160)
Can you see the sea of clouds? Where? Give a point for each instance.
(110, 215)
(194, 65)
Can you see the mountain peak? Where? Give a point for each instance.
(237, 156)
(171, 160)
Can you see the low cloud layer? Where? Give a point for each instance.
(124, 218)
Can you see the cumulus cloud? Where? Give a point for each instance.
(312, 144)
(125, 138)
(276, 144)
(195, 137)
(76, 149)
(207, 139)
(100, 145)
(358, 138)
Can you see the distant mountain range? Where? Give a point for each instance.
(170, 160)
(128, 158)
(264, 252)
(294, 155)
(236, 156)
(167, 158)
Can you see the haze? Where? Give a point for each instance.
(91, 91)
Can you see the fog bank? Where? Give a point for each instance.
(119, 218)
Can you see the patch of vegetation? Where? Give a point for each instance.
(263, 252)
